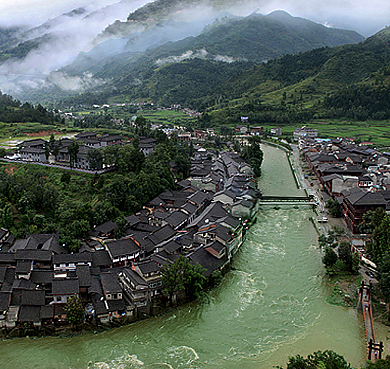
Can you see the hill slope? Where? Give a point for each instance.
(251, 39)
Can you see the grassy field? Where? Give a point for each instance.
(166, 117)
(11, 134)
(377, 132)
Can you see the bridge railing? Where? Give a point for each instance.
(374, 349)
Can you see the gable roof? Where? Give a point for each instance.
(100, 258)
(5, 299)
(106, 227)
(65, 286)
(33, 297)
(122, 247)
(162, 234)
(84, 275)
(357, 196)
(134, 277)
(207, 261)
(176, 219)
(110, 283)
(148, 266)
(84, 257)
(33, 255)
(29, 314)
(212, 213)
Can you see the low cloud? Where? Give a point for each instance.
(198, 54)
(73, 83)
(65, 37)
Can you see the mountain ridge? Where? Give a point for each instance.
(255, 38)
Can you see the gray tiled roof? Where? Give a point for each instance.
(357, 196)
(65, 286)
(110, 283)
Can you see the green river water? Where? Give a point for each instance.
(271, 305)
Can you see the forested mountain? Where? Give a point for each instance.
(186, 71)
(12, 111)
(274, 67)
(349, 81)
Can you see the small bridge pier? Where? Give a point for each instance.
(374, 349)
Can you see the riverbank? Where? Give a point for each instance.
(343, 288)
(269, 306)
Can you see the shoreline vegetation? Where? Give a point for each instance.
(208, 236)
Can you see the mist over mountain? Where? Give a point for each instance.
(29, 56)
(73, 52)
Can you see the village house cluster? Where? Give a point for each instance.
(358, 176)
(204, 220)
(36, 151)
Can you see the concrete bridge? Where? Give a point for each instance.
(374, 349)
(287, 200)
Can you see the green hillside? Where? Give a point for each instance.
(350, 81)
(191, 71)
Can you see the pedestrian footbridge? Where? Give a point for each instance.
(374, 349)
(287, 200)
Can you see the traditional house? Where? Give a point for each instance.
(136, 290)
(150, 272)
(356, 202)
(65, 262)
(210, 259)
(110, 284)
(33, 154)
(122, 251)
(64, 289)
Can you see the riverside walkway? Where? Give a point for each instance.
(374, 349)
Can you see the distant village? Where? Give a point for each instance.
(119, 280)
(357, 176)
(35, 150)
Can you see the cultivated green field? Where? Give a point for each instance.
(166, 117)
(377, 132)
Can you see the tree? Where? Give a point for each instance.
(130, 159)
(330, 257)
(371, 220)
(326, 360)
(171, 276)
(74, 310)
(52, 142)
(384, 276)
(324, 241)
(95, 159)
(345, 254)
(253, 155)
(110, 154)
(47, 150)
(65, 177)
(355, 262)
(334, 208)
(7, 219)
(181, 275)
(380, 244)
(379, 364)
(73, 150)
(193, 280)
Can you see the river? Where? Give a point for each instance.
(271, 305)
